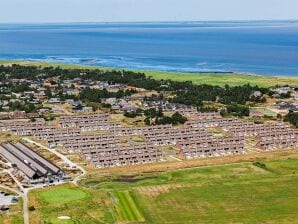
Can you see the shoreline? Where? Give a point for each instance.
(211, 78)
(145, 70)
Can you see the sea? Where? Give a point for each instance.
(248, 47)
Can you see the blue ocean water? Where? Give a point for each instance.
(261, 47)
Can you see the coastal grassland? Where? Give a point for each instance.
(222, 79)
(219, 79)
(239, 193)
(250, 192)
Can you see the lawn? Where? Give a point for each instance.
(197, 78)
(264, 192)
(57, 195)
(125, 206)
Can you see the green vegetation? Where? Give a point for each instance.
(196, 78)
(154, 116)
(82, 206)
(265, 111)
(237, 110)
(56, 195)
(259, 192)
(292, 117)
(223, 79)
(95, 95)
(185, 92)
(126, 208)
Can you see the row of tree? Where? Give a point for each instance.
(95, 95)
(154, 116)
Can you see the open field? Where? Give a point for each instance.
(250, 192)
(82, 206)
(198, 78)
(222, 79)
(126, 208)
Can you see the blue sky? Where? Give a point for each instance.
(28, 11)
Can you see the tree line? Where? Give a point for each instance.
(185, 92)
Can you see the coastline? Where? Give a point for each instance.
(211, 78)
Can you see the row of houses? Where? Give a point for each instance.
(118, 155)
(211, 147)
(87, 122)
(263, 133)
(193, 140)
(25, 127)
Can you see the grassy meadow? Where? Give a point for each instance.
(263, 192)
(197, 78)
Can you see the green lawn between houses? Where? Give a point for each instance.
(197, 78)
(238, 193)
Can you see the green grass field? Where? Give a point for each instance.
(82, 206)
(237, 193)
(198, 78)
(57, 195)
(126, 208)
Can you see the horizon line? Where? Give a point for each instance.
(148, 22)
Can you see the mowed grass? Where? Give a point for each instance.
(63, 195)
(197, 78)
(126, 208)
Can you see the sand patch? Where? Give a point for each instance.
(63, 217)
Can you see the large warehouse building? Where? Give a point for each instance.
(30, 163)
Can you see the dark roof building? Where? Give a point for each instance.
(27, 161)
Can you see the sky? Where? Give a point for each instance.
(53, 11)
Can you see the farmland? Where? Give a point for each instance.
(264, 191)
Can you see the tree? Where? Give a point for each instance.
(177, 118)
(151, 113)
(147, 121)
(238, 110)
(292, 117)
